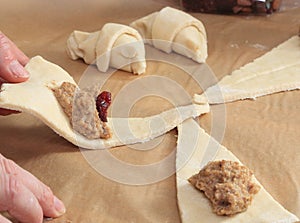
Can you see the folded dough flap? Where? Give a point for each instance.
(81, 45)
(110, 33)
(36, 97)
(128, 54)
(191, 43)
(168, 23)
(144, 26)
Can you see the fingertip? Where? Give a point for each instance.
(51, 205)
(14, 72)
(18, 70)
(12, 61)
(59, 207)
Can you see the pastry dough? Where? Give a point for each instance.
(193, 205)
(174, 30)
(277, 70)
(36, 97)
(115, 45)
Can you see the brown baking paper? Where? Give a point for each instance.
(263, 133)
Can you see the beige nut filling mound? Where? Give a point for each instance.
(80, 107)
(227, 184)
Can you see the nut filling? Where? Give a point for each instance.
(80, 107)
(227, 184)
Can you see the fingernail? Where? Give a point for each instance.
(18, 70)
(59, 206)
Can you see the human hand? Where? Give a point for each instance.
(12, 62)
(24, 197)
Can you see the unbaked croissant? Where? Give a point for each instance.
(174, 30)
(115, 45)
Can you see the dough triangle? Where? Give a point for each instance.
(193, 143)
(277, 70)
(36, 97)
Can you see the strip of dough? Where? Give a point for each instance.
(36, 97)
(193, 142)
(174, 30)
(277, 70)
(115, 45)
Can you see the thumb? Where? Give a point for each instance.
(10, 68)
(12, 71)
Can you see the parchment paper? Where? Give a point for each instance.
(264, 133)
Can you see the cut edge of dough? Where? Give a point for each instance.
(223, 92)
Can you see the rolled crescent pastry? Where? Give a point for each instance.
(174, 30)
(115, 45)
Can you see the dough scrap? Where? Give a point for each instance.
(276, 71)
(174, 30)
(192, 143)
(115, 45)
(36, 97)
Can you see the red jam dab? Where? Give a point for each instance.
(103, 101)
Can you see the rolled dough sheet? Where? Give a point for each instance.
(36, 97)
(171, 29)
(193, 205)
(277, 70)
